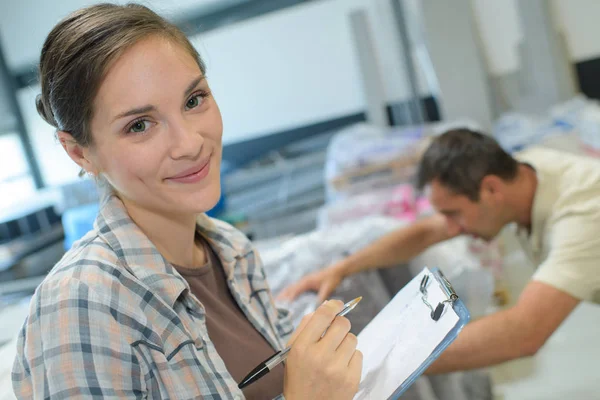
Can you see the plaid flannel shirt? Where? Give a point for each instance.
(114, 319)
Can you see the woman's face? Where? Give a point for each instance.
(157, 130)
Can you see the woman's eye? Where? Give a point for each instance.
(193, 102)
(137, 127)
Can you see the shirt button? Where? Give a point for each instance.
(198, 343)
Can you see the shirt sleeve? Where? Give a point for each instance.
(285, 322)
(573, 261)
(71, 345)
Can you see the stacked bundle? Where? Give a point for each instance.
(572, 126)
(399, 201)
(363, 157)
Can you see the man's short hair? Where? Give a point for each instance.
(460, 158)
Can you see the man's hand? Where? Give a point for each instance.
(324, 282)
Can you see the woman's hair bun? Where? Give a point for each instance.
(45, 111)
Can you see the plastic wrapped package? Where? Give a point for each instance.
(290, 258)
(569, 112)
(582, 116)
(363, 157)
(515, 131)
(398, 201)
(362, 144)
(589, 128)
(572, 126)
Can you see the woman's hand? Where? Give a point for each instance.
(323, 368)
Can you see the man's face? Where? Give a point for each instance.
(481, 219)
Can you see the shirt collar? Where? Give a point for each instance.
(226, 241)
(139, 255)
(543, 201)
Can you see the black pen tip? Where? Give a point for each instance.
(248, 380)
(253, 376)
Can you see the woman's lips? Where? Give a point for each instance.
(194, 174)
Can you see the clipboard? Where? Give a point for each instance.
(404, 339)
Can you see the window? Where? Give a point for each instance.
(55, 165)
(16, 182)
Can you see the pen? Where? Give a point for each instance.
(267, 366)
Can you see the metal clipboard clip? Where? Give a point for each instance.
(437, 312)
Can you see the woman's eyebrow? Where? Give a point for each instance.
(149, 107)
(193, 85)
(134, 111)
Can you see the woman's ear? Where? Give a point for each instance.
(78, 153)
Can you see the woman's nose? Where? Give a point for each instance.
(187, 141)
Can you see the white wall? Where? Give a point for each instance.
(24, 24)
(451, 39)
(297, 66)
(499, 25)
(578, 20)
(55, 165)
(500, 32)
(15, 184)
(279, 71)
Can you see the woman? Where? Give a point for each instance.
(158, 300)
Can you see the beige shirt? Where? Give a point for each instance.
(564, 241)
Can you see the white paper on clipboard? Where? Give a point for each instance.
(401, 338)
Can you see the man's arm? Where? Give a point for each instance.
(398, 246)
(517, 332)
(392, 249)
